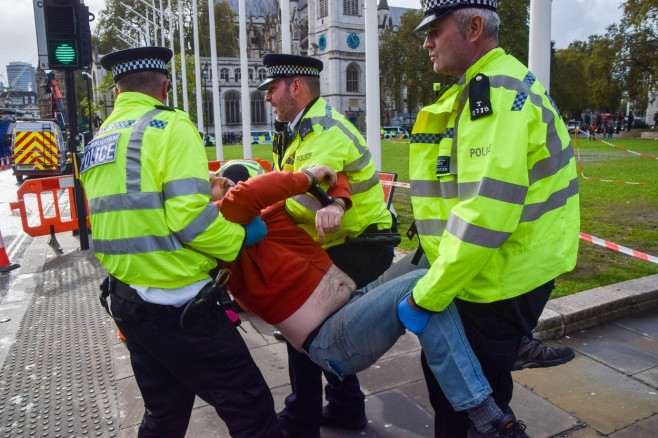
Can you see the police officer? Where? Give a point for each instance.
(494, 195)
(158, 235)
(318, 134)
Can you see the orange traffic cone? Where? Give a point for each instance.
(4, 164)
(5, 264)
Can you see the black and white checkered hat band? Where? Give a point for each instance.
(432, 5)
(138, 65)
(291, 70)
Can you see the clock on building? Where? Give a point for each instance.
(353, 40)
(322, 42)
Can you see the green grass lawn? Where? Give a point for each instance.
(626, 214)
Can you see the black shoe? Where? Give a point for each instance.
(339, 422)
(533, 354)
(278, 336)
(292, 429)
(507, 426)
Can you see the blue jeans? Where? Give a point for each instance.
(358, 334)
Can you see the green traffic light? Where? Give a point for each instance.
(65, 53)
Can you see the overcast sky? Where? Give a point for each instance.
(571, 20)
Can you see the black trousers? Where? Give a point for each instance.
(345, 398)
(210, 360)
(494, 331)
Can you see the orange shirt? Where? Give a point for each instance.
(277, 275)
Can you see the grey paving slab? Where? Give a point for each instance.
(121, 362)
(650, 377)
(11, 315)
(616, 347)
(130, 403)
(592, 392)
(252, 337)
(407, 343)
(22, 289)
(542, 418)
(645, 428)
(584, 432)
(646, 324)
(417, 392)
(205, 423)
(391, 372)
(272, 359)
(261, 326)
(390, 414)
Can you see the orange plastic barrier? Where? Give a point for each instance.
(215, 165)
(51, 186)
(388, 189)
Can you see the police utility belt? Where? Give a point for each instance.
(213, 296)
(371, 236)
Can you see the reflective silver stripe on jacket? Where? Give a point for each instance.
(149, 200)
(475, 234)
(134, 152)
(430, 227)
(559, 157)
(327, 123)
(134, 199)
(487, 187)
(532, 212)
(137, 245)
(364, 186)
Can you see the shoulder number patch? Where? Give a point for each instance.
(479, 96)
(100, 151)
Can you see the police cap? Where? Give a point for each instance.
(280, 65)
(123, 62)
(435, 9)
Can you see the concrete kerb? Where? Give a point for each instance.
(593, 307)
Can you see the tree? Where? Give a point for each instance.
(514, 31)
(112, 32)
(604, 83)
(404, 65)
(637, 42)
(569, 82)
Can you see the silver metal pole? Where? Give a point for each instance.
(174, 87)
(182, 56)
(219, 150)
(162, 26)
(244, 72)
(539, 50)
(372, 83)
(197, 67)
(285, 27)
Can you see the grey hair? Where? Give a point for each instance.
(490, 20)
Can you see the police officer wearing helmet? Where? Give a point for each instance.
(495, 201)
(158, 235)
(318, 134)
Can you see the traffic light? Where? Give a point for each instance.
(65, 32)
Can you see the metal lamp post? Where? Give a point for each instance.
(87, 77)
(204, 76)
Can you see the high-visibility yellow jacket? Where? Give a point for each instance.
(494, 188)
(146, 179)
(324, 136)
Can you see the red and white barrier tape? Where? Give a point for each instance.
(396, 184)
(619, 248)
(580, 165)
(627, 150)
